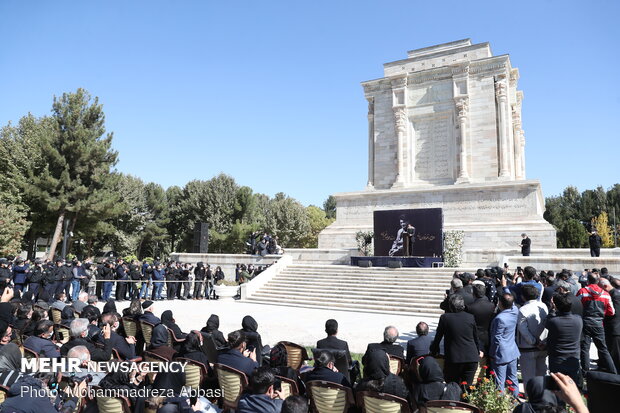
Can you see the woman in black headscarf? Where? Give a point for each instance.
(192, 349)
(432, 385)
(250, 327)
(378, 377)
(168, 320)
(10, 364)
(37, 315)
(110, 307)
(213, 324)
(538, 399)
(159, 342)
(134, 310)
(24, 312)
(67, 316)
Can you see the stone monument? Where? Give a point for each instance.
(444, 131)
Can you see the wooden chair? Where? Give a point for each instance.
(130, 326)
(373, 402)
(61, 333)
(327, 397)
(295, 354)
(172, 339)
(113, 405)
(448, 406)
(396, 364)
(341, 360)
(288, 387)
(4, 392)
(232, 382)
(195, 373)
(30, 354)
(56, 315)
(153, 358)
(147, 332)
(38, 307)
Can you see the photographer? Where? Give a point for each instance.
(39, 394)
(264, 398)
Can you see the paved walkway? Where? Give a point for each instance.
(300, 325)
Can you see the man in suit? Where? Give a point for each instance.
(483, 311)
(41, 342)
(526, 244)
(503, 350)
(148, 315)
(563, 338)
(238, 356)
(79, 304)
(456, 288)
(611, 324)
(79, 333)
(390, 334)
(331, 342)
(324, 369)
(126, 347)
(595, 242)
(419, 346)
(462, 348)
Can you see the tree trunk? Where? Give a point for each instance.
(57, 234)
(70, 231)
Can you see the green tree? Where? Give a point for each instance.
(572, 235)
(329, 206)
(177, 222)
(76, 164)
(287, 219)
(13, 226)
(317, 221)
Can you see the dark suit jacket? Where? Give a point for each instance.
(419, 346)
(461, 338)
(149, 318)
(125, 350)
(233, 358)
(391, 349)
(334, 343)
(42, 346)
(96, 353)
(483, 311)
(467, 297)
(325, 374)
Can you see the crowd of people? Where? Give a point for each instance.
(262, 244)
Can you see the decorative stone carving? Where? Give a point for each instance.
(462, 108)
(502, 119)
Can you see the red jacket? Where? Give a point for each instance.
(596, 302)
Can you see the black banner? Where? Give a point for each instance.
(409, 232)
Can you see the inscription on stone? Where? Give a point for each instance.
(432, 150)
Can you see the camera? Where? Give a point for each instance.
(550, 384)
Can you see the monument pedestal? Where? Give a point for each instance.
(492, 215)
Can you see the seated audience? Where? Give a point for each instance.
(59, 302)
(148, 315)
(82, 301)
(192, 349)
(37, 316)
(432, 384)
(379, 379)
(324, 369)
(168, 321)
(389, 345)
(41, 341)
(262, 397)
(539, 399)
(67, 316)
(213, 323)
(295, 404)
(10, 364)
(238, 356)
(331, 342)
(125, 346)
(419, 346)
(250, 327)
(24, 312)
(159, 343)
(79, 337)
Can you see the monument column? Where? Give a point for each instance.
(518, 147)
(502, 104)
(371, 142)
(462, 107)
(399, 86)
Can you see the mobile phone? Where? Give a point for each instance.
(551, 384)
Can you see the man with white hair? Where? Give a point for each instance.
(82, 353)
(148, 315)
(389, 345)
(82, 301)
(79, 337)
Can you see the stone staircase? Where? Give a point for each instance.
(416, 291)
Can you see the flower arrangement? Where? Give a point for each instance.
(227, 283)
(453, 248)
(364, 242)
(486, 396)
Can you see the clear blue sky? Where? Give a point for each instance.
(269, 91)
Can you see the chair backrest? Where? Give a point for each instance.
(153, 358)
(232, 382)
(602, 388)
(288, 387)
(396, 364)
(327, 397)
(62, 333)
(448, 406)
(147, 332)
(373, 402)
(209, 347)
(341, 362)
(195, 373)
(56, 315)
(30, 354)
(130, 326)
(113, 405)
(4, 391)
(295, 354)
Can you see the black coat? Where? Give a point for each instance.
(483, 311)
(96, 353)
(612, 324)
(334, 343)
(325, 374)
(419, 346)
(460, 336)
(526, 244)
(233, 358)
(391, 349)
(564, 338)
(125, 350)
(42, 346)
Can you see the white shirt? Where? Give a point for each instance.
(531, 324)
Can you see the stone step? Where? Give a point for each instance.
(345, 269)
(358, 292)
(338, 281)
(445, 278)
(413, 288)
(345, 305)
